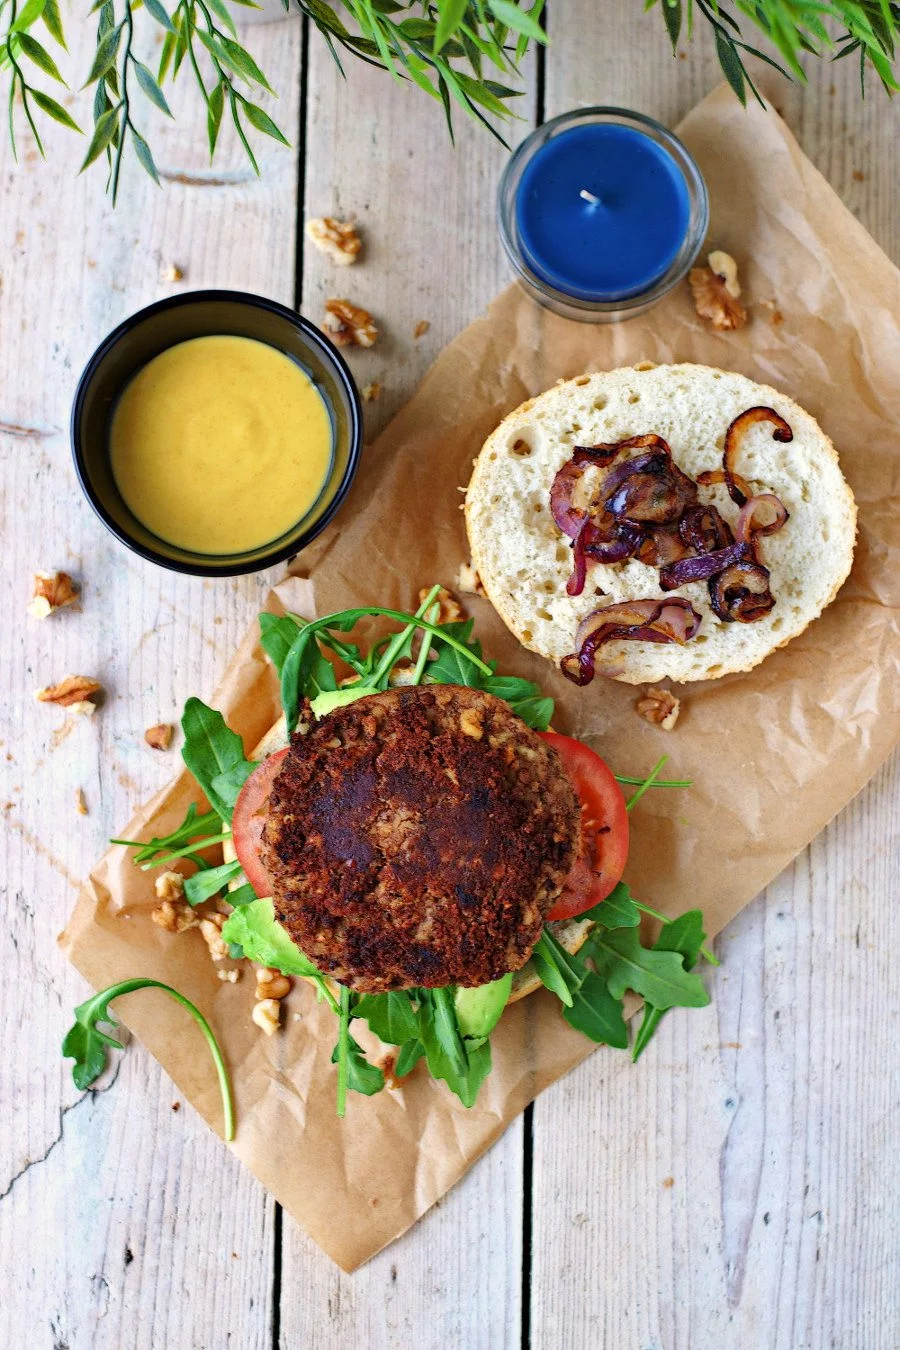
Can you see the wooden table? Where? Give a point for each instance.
(736, 1189)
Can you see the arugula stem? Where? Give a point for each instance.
(343, 1051)
(185, 852)
(131, 986)
(657, 782)
(395, 646)
(655, 914)
(647, 783)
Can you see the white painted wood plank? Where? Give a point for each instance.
(120, 1216)
(432, 252)
(737, 1187)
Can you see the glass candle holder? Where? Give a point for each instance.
(601, 212)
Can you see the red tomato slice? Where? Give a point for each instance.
(604, 848)
(249, 818)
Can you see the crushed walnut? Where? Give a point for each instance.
(171, 272)
(449, 610)
(52, 591)
(160, 736)
(229, 976)
(371, 392)
(348, 324)
(270, 983)
(421, 328)
(471, 723)
(174, 916)
(338, 238)
(403, 673)
(715, 289)
(659, 706)
(775, 313)
(468, 581)
(211, 931)
(75, 692)
(267, 1015)
(81, 805)
(169, 886)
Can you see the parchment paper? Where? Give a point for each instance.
(773, 754)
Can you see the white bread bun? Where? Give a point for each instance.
(523, 561)
(570, 933)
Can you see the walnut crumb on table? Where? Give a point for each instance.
(659, 706)
(52, 591)
(349, 324)
(716, 289)
(75, 692)
(160, 736)
(339, 239)
(421, 328)
(371, 393)
(81, 805)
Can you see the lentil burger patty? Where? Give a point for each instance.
(419, 837)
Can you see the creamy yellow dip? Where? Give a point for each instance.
(220, 444)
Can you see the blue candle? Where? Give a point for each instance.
(601, 212)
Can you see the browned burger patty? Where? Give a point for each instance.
(419, 837)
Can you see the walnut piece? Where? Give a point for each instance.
(229, 976)
(171, 272)
(725, 269)
(337, 238)
(449, 610)
(81, 805)
(267, 1015)
(160, 736)
(659, 706)
(169, 886)
(716, 293)
(371, 392)
(403, 673)
(471, 723)
(174, 916)
(348, 324)
(52, 591)
(75, 692)
(421, 328)
(271, 983)
(211, 929)
(468, 581)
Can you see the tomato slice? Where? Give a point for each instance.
(604, 835)
(249, 818)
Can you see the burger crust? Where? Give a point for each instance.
(419, 837)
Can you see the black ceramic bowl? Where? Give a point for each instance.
(205, 314)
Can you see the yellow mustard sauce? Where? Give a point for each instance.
(220, 444)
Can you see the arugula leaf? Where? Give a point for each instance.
(193, 827)
(451, 666)
(618, 910)
(210, 750)
(446, 1029)
(510, 688)
(659, 976)
(556, 969)
(408, 1057)
(228, 785)
(390, 1016)
(87, 1044)
(204, 885)
(536, 713)
(464, 1085)
(686, 936)
(341, 1054)
(597, 1014)
(361, 1075)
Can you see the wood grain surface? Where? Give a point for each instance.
(738, 1188)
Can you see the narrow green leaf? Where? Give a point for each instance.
(54, 110)
(450, 15)
(671, 10)
(214, 110)
(519, 20)
(39, 55)
(105, 55)
(52, 20)
(732, 66)
(165, 58)
(28, 16)
(243, 63)
(104, 130)
(263, 122)
(158, 12)
(221, 10)
(150, 87)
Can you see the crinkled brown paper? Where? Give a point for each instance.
(773, 754)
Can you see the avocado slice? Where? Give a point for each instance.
(478, 1009)
(330, 699)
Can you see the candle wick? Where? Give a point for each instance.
(589, 197)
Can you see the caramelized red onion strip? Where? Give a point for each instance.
(709, 477)
(741, 594)
(667, 620)
(704, 530)
(702, 567)
(735, 435)
(567, 515)
(751, 517)
(751, 522)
